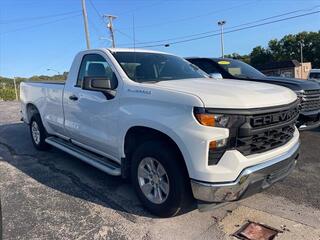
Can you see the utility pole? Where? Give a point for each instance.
(15, 88)
(221, 23)
(301, 51)
(301, 57)
(85, 19)
(110, 26)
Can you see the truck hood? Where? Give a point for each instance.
(232, 94)
(292, 83)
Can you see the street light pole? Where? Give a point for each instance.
(221, 23)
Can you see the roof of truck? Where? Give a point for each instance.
(134, 50)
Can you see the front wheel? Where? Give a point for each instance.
(159, 179)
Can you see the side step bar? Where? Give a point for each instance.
(100, 162)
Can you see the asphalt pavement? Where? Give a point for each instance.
(51, 195)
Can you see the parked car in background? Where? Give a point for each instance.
(314, 74)
(307, 91)
(157, 118)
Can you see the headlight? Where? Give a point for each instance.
(211, 119)
(223, 119)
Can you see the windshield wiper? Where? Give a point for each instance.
(242, 76)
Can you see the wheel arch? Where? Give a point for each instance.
(31, 110)
(135, 135)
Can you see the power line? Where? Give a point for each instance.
(184, 19)
(57, 56)
(124, 34)
(141, 7)
(231, 31)
(192, 17)
(101, 17)
(228, 28)
(97, 12)
(276, 16)
(37, 18)
(95, 28)
(41, 24)
(175, 38)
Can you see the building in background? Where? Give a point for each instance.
(291, 68)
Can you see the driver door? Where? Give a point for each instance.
(91, 118)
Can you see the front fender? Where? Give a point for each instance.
(155, 125)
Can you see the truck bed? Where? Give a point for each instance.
(47, 96)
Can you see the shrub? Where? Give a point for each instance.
(7, 94)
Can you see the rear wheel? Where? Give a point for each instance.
(38, 133)
(159, 179)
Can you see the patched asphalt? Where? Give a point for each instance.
(51, 195)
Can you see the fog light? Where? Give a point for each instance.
(218, 144)
(216, 150)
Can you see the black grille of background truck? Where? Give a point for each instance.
(310, 101)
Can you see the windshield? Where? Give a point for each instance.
(240, 69)
(155, 67)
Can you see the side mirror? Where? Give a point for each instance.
(101, 84)
(216, 75)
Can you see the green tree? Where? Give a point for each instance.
(287, 48)
(259, 56)
(7, 91)
(244, 58)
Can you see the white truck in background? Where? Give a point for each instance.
(159, 120)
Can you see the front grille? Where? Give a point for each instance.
(310, 100)
(267, 140)
(263, 132)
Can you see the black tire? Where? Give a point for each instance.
(39, 144)
(179, 195)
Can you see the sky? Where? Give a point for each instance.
(36, 35)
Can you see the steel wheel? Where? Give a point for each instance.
(153, 180)
(35, 132)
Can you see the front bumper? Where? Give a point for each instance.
(251, 180)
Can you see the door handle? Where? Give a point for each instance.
(73, 98)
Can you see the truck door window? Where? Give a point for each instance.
(94, 65)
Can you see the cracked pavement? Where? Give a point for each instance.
(51, 195)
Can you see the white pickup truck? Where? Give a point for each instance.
(160, 120)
